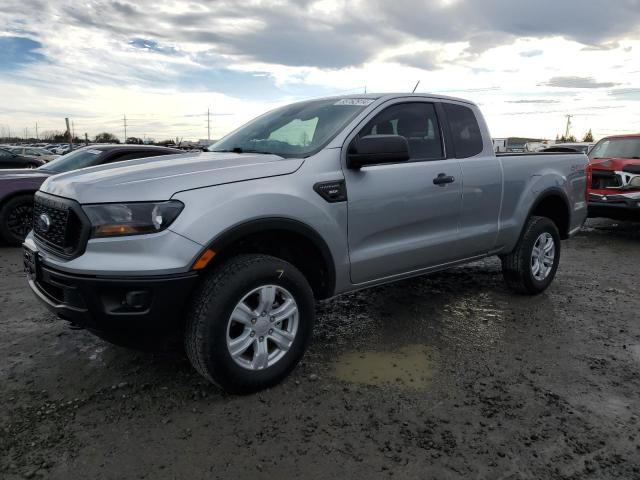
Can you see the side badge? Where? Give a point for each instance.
(332, 192)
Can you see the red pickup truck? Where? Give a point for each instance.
(614, 164)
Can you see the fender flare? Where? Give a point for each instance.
(543, 195)
(231, 235)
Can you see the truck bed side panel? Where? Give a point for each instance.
(530, 178)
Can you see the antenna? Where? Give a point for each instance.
(414, 88)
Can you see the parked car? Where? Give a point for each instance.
(614, 165)
(9, 159)
(582, 147)
(18, 186)
(61, 149)
(312, 200)
(34, 152)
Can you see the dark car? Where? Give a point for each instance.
(18, 186)
(9, 159)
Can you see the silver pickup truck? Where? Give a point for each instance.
(230, 248)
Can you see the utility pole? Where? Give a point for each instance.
(37, 137)
(124, 119)
(86, 138)
(208, 126)
(566, 134)
(73, 128)
(69, 135)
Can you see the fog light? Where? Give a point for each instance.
(138, 299)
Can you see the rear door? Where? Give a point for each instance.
(399, 220)
(482, 180)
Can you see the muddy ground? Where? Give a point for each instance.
(445, 377)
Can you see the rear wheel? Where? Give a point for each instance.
(16, 219)
(251, 321)
(532, 265)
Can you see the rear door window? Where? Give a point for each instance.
(465, 131)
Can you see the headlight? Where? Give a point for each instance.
(118, 219)
(635, 182)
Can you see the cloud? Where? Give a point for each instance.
(531, 53)
(123, 55)
(534, 101)
(603, 47)
(425, 60)
(152, 45)
(578, 82)
(626, 94)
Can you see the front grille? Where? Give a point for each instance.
(605, 179)
(57, 225)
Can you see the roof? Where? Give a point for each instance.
(627, 135)
(389, 96)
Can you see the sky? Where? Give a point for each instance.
(164, 63)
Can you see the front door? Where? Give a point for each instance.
(399, 219)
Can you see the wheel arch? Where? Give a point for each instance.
(289, 239)
(17, 193)
(553, 204)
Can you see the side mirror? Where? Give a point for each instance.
(377, 149)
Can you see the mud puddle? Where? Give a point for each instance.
(410, 367)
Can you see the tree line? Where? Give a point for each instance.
(58, 136)
(588, 138)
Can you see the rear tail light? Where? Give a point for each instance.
(589, 180)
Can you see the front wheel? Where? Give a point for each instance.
(16, 219)
(532, 265)
(251, 321)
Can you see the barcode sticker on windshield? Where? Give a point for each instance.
(355, 101)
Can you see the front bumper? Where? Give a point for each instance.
(616, 205)
(108, 303)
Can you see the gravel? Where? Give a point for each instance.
(449, 376)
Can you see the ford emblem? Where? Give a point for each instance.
(44, 222)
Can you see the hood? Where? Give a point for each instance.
(159, 178)
(614, 164)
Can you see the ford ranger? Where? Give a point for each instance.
(231, 247)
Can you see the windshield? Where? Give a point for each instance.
(617, 148)
(297, 130)
(85, 157)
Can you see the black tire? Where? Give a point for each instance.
(16, 219)
(212, 304)
(516, 266)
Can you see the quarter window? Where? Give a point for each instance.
(417, 122)
(465, 131)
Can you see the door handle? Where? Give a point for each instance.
(442, 179)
